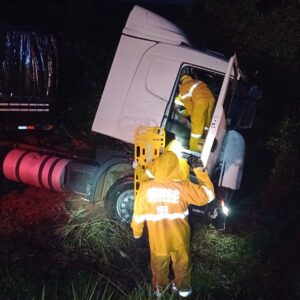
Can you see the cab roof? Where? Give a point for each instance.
(145, 24)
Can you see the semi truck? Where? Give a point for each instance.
(140, 92)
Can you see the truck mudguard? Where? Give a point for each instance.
(92, 180)
(112, 166)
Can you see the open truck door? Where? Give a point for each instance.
(218, 126)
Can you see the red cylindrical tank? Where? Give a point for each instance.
(36, 169)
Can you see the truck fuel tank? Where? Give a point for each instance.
(33, 168)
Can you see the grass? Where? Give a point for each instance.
(96, 258)
(225, 263)
(16, 284)
(100, 238)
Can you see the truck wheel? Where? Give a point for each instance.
(119, 200)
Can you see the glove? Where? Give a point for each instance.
(135, 164)
(178, 101)
(213, 213)
(194, 162)
(213, 209)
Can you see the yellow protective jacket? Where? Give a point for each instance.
(199, 103)
(163, 204)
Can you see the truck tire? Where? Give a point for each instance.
(119, 200)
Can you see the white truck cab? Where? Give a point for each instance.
(143, 81)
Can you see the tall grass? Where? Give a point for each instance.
(96, 258)
(100, 238)
(105, 247)
(17, 285)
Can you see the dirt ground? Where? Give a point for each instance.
(31, 206)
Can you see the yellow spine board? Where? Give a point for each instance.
(149, 143)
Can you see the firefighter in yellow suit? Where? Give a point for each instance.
(199, 102)
(163, 203)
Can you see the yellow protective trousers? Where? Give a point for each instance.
(200, 117)
(181, 265)
(194, 141)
